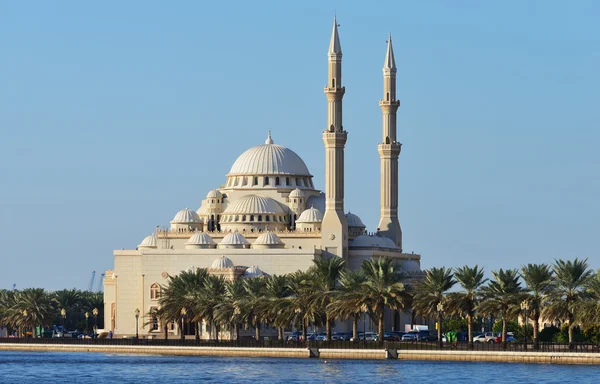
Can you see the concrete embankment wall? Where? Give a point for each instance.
(430, 355)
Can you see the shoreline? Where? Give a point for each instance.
(582, 358)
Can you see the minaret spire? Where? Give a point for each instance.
(334, 228)
(389, 151)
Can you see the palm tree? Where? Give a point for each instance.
(162, 317)
(431, 293)
(348, 299)
(250, 309)
(296, 308)
(276, 290)
(538, 278)
(180, 294)
(502, 295)
(567, 292)
(7, 302)
(323, 277)
(228, 311)
(382, 288)
(590, 311)
(34, 306)
(463, 303)
(205, 301)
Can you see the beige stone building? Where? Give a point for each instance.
(269, 218)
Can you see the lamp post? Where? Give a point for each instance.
(25, 323)
(95, 313)
(137, 316)
(183, 315)
(87, 315)
(63, 314)
(525, 309)
(440, 309)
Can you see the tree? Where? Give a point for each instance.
(502, 296)
(432, 291)
(229, 311)
(464, 303)
(567, 292)
(33, 307)
(276, 290)
(205, 301)
(323, 277)
(348, 300)
(382, 288)
(590, 311)
(538, 278)
(251, 313)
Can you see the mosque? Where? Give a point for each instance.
(269, 218)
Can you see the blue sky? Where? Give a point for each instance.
(114, 115)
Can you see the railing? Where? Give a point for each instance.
(334, 344)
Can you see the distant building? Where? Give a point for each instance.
(269, 218)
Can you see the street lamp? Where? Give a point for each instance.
(95, 313)
(183, 315)
(25, 322)
(525, 309)
(137, 316)
(440, 309)
(63, 314)
(87, 315)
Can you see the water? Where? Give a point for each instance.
(57, 367)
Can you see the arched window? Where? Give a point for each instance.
(294, 200)
(332, 83)
(267, 218)
(213, 201)
(297, 181)
(388, 96)
(260, 218)
(154, 291)
(287, 181)
(251, 217)
(255, 180)
(277, 180)
(387, 139)
(244, 218)
(237, 218)
(266, 180)
(154, 326)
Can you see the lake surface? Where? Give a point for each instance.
(58, 367)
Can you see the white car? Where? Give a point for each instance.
(479, 339)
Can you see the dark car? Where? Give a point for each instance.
(391, 337)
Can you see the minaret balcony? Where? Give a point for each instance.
(389, 150)
(337, 91)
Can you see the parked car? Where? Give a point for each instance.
(490, 337)
(479, 338)
(321, 337)
(509, 339)
(391, 337)
(410, 336)
(342, 336)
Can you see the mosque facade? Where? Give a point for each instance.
(269, 218)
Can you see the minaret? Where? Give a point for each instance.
(389, 151)
(334, 228)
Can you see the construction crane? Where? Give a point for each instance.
(99, 285)
(91, 286)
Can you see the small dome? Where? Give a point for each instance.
(254, 204)
(253, 271)
(234, 238)
(200, 238)
(222, 263)
(186, 216)
(354, 221)
(268, 238)
(410, 266)
(311, 215)
(214, 194)
(370, 241)
(269, 159)
(297, 193)
(149, 241)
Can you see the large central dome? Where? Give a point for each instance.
(269, 159)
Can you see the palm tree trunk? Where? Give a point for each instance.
(166, 332)
(304, 326)
(380, 325)
(355, 326)
(536, 325)
(504, 316)
(327, 327)
(182, 330)
(237, 330)
(197, 331)
(257, 328)
(439, 329)
(470, 330)
(571, 345)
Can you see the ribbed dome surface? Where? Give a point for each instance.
(254, 204)
(200, 238)
(186, 216)
(268, 238)
(213, 194)
(149, 241)
(368, 241)
(297, 193)
(311, 215)
(269, 159)
(354, 221)
(410, 266)
(222, 263)
(234, 238)
(253, 271)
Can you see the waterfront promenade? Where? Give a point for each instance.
(558, 354)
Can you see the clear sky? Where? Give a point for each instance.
(116, 114)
